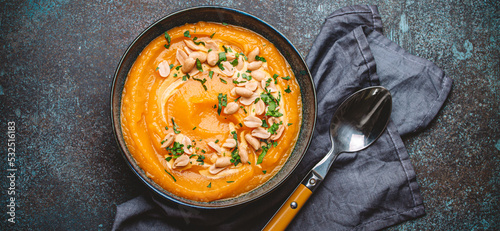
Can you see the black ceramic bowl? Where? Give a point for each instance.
(238, 18)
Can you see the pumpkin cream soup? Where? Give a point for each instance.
(210, 111)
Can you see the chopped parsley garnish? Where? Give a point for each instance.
(212, 36)
(224, 24)
(268, 82)
(230, 181)
(210, 74)
(194, 128)
(234, 62)
(178, 67)
(171, 66)
(222, 56)
(166, 127)
(201, 159)
(286, 78)
(272, 103)
(175, 74)
(236, 82)
(171, 175)
(263, 154)
(260, 58)
(216, 141)
(177, 149)
(247, 77)
(209, 185)
(185, 77)
(198, 65)
(287, 90)
(222, 80)
(264, 171)
(289, 124)
(186, 34)
(222, 102)
(235, 156)
(169, 39)
(275, 77)
(264, 124)
(198, 43)
(236, 100)
(202, 81)
(168, 158)
(175, 127)
(274, 127)
(157, 68)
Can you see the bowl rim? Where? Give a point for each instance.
(116, 122)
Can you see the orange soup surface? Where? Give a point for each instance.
(210, 111)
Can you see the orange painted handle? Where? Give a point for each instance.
(289, 209)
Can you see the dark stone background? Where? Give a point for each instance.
(57, 62)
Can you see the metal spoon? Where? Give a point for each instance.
(358, 122)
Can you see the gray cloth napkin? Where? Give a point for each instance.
(367, 190)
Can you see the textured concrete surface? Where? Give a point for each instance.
(56, 66)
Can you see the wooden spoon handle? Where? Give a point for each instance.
(289, 209)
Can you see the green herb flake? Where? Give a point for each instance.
(222, 80)
(286, 78)
(262, 154)
(264, 171)
(178, 67)
(202, 81)
(175, 127)
(171, 66)
(171, 175)
(177, 149)
(247, 77)
(194, 128)
(222, 102)
(234, 62)
(274, 127)
(166, 127)
(287, 90)
(209, 185)
(198, 65)
(157, 68)
(169, 39)
(230, 181)
(222, 56)
(275, 77)
(198, 43)
(186, 34)
(260, 58)
(212, 36)
(224, 24)
(168, 158)
(216, 141)
(210, 74)
(289, 124)
(264, 124)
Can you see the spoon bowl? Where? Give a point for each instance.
(360, 119)
(358, 122)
